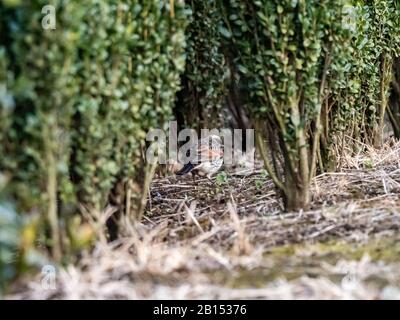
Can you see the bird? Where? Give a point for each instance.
(209, 160)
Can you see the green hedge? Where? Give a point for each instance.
(284, 53)
(36, 154)
(76, 103)
(314, 73)
(130, 59)
(375, 43)
(204, 81)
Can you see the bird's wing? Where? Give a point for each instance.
(207, 154)
(209, 148)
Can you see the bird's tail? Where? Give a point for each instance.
(186, 169)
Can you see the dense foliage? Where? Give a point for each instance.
(77, 101)
(375, 43)
(36, 145)
(138, 52)
(204, 80)
(315, 71)
(359, 80)
(284, 51)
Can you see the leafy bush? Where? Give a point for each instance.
(376, 43)
(37, 142)
(130, 60)
(78, 100)
(202, 97)
(284, 56)
(314, 72)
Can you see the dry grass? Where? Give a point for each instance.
(232, 240)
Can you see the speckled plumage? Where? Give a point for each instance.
(209, 157)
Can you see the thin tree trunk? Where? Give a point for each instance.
(386, 76)
(52, 204)
(297, 195)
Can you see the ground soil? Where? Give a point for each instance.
(231, 239)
